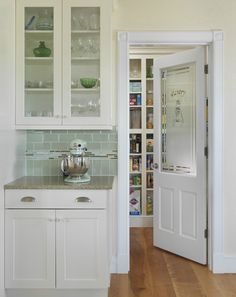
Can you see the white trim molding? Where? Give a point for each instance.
(216, 141)
(214, 40)
(224, 263)
(123, 157)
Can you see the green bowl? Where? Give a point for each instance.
(87, 82)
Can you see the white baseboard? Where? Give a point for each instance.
(141, 221)
(122, 263)
(113, 266)
(56, 293)
(224, 264)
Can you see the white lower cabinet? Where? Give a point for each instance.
(81, 252)
(30, 249)
(56, 248)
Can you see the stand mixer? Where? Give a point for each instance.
(76, 164)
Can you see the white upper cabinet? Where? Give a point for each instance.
(63, 64)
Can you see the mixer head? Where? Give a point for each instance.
(78, 147)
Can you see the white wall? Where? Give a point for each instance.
(186, 15)
(12, 143)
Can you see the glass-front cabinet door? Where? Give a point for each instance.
(86, 63)
(38, 62)
(63, 64)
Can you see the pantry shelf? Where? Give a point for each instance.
(141, 141)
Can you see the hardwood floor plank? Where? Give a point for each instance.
(183, 277)
(157, 273)
(120, 286)
(227, 284)
(161, 281)
(207, 280)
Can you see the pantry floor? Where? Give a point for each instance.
(156, 273)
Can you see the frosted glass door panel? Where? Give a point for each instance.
(178, 114)
(39, 36)
(85, 61)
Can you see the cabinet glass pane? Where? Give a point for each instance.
(85, 61)
(178, 119)
(39, 62)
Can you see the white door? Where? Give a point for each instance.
(82, 252)
(180, 137)
(30, 248)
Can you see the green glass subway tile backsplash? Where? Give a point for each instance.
(44, 150)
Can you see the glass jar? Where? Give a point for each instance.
(45, 21)
(150, 121)
(42, 50)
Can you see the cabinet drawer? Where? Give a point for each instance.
(56, 199)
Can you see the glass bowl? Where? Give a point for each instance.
(87, 82)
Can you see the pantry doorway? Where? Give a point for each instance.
(214, 41)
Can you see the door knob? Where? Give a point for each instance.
(155, 166)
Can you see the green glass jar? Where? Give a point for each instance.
(42, 50)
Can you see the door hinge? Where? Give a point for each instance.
(206, 233)
(206, 68)
(206, 151)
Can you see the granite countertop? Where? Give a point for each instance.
(57, 182)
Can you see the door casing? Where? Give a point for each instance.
(214, 41)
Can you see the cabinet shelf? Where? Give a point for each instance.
(39, 59)
(88, 90)
(149, 131)
(85, 58)
(85, 31)
(138, 106)
(135, 131)
(38, 89)
(135, 78)
(135, 172)
(39, 31)
(135, 154)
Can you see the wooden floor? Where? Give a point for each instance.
(156, 273)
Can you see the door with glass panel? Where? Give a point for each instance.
(38, 62)
(180, 138)
(85, 63)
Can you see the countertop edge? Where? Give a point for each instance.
(57, 183)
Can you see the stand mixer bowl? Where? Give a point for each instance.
(75, 166)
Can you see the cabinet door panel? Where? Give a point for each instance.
(82, 253)
(30, 249)
(38, 62)
(87, 54)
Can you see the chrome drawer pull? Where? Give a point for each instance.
(83, 199)
(28, 199)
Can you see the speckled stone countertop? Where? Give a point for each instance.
(57, 182)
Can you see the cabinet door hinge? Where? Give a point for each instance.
(206, 68)
(206, 233)
(206, 151)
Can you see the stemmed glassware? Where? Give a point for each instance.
(85, 47)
